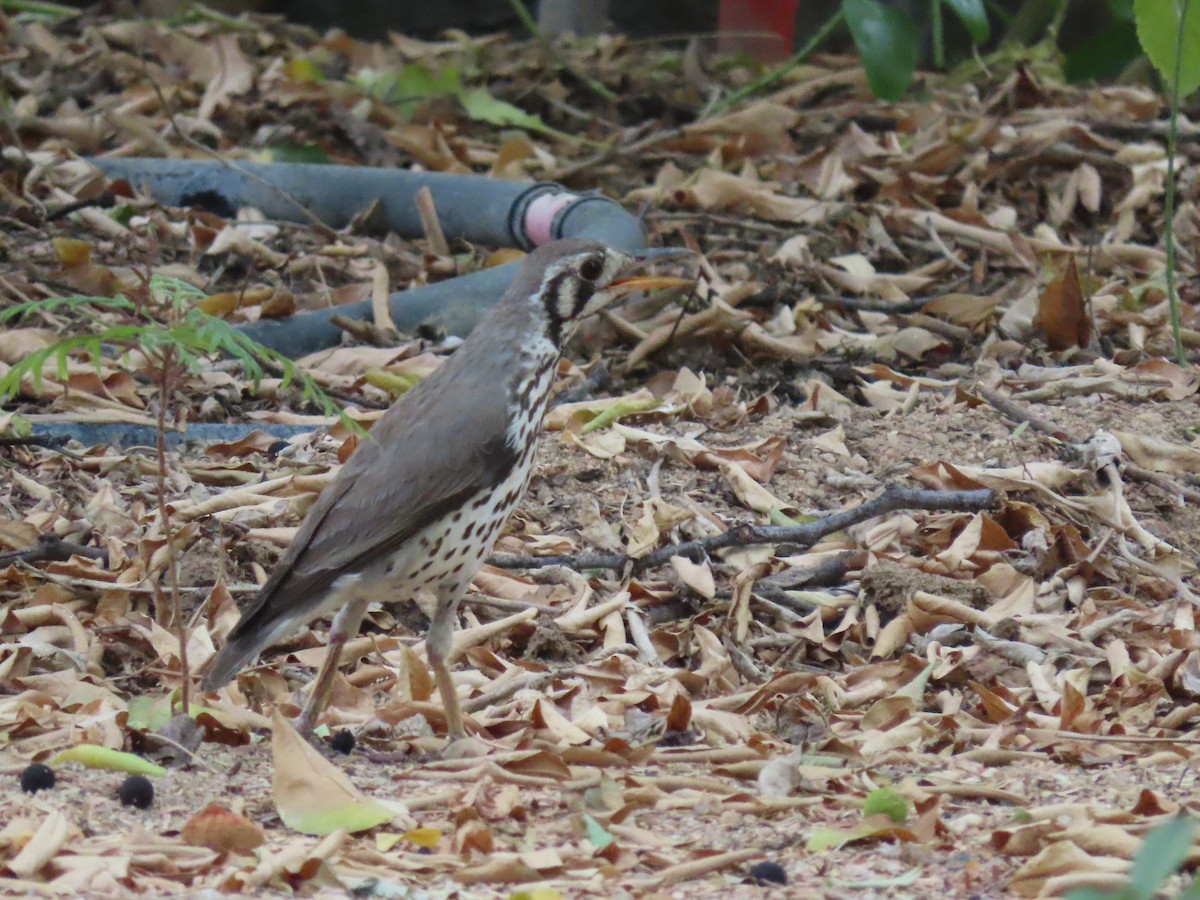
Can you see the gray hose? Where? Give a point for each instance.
(125, 434)
(474, 208)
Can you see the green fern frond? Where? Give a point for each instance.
(77, 303)
(193, 335)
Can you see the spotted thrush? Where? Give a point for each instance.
(422, 499)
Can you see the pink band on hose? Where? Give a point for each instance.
(539, 217)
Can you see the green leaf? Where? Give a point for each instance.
(122, 213)
(1121, 10)
(17, 427)
(409, 84)
(1105, 56)
(1159, 23)
(311, 794)
(93, 756)
(888, 802)
(483, 107)
(887, 42)
(623, 406)
(150, 713)
(596, 833)
(829, 837)
(1161, 855)
(974, 18)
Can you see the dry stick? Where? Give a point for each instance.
(430, 223)
(164, 396)
(694, 868)
(1019, 412)
(381, 311)
(871, 304)
(51, 548)
(895, 497)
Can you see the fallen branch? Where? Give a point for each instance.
(1019, 412)
(52, 548)
(894, 498)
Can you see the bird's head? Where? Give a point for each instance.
(569, 280)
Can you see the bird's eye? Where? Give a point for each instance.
(591, 269)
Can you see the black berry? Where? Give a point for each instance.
(137, 791)
(343, 741)
(37, 777)
(769, 871)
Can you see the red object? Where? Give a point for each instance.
(762, 28)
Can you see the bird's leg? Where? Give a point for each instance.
(437, 647)
(345, 626)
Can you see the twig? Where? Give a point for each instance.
(870, 304)
(1164, 482)
(431, 224)
(829, 571)
(165, 386)
(55, 443)
(1019, 412)
(381, 312)
(365, 332)
(503, 603)
(533, 681)
(52, 548)
(103, 199)
(48, 441)
(894, 498)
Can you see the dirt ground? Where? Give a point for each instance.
(957, 292)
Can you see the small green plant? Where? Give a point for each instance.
(1160, 857)
(1171, 38)
(163, 325)
(189, 332)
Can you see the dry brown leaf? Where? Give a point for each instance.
(1062, 316)
(222, 830)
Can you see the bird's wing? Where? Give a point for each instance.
(438, 445)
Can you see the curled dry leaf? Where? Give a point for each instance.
(222, 830)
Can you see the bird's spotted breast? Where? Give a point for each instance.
(445, 555)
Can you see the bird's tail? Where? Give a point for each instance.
(238, 650)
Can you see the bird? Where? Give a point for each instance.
(422, 499)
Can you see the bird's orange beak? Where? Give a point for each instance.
(628, 284)
(631, 283)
